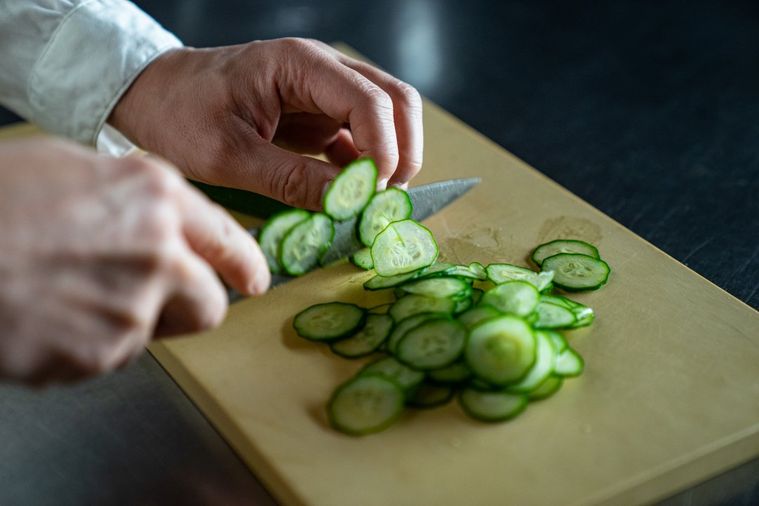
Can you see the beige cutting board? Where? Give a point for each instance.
(669, 397)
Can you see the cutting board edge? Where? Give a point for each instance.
(274, 482)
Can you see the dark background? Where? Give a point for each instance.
(647, 110)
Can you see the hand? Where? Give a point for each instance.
(100, 254)
(224, 116)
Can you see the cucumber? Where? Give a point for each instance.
(305, 244)
(501, 350)
(502, 273)
(479, 270)
(462, 304)
(583, 314)
(546, 389)
(367, 340)
(457, 372)
(381, 282)
(433, 344)
(363, 259)
(430, 395)
(384, 208)
(414, 304)
(329, 322)
(440, 287)
(351, 190)
(478, 314)
(575, 272)
(553, 316)
(519, 298)
(557, 340)
(552, 248)
(403, 246)
(569, 363)
(274, 231)
(404, 326)
(492, 406)
(365, 404)
(477, 295)
(541, 369)
(407, 378)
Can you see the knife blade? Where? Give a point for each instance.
(427, 200)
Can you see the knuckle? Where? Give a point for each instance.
(294, 186)
(408, 95)
(378, 99)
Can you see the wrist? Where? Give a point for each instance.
(134, 113)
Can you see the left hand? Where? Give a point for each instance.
(240, 116)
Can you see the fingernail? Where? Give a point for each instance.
(402, 186)
(382, 184)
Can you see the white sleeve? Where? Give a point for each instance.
(64, 64)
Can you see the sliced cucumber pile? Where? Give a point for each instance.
(485, 335)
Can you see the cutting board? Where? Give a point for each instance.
(669, 397)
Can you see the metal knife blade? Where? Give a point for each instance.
(427, 199)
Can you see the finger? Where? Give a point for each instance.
(306, 133)
(296, 180)
(342, 150)
(195, 300)
(348, 97)
(214, 235)
(407, 115)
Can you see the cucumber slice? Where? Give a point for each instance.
(478, 314)
(329, 322)
(367, 340)
(404, 326)
(477, 295)
(384, 208)
(457, 372)
(515, 297)
(462, 304)
(381, 309)
(407, 378)
(557, 340)
(436, 269)
(403, 246)
(492, 406)
(502, 273)
(351, 190)
(541, 369)
(381, 282)
(272, 233)
(440, 287)
(501, 350)
(429, 395)
(584, 315)
(575, 272)
(363, 259)
(479, 270)
(552, 316)
(305, 243)
(552, 248)
(546, 389)
(433, 344)
(414, 304)
(365, 404)
(569, 363)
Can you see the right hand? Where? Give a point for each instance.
(98, 255)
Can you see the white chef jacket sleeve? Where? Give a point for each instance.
(64, 64)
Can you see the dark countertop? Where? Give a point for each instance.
(647, 110)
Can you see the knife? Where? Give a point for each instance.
(427, 200)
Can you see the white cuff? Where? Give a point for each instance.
(96, 52)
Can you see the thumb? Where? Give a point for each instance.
(296, 180)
